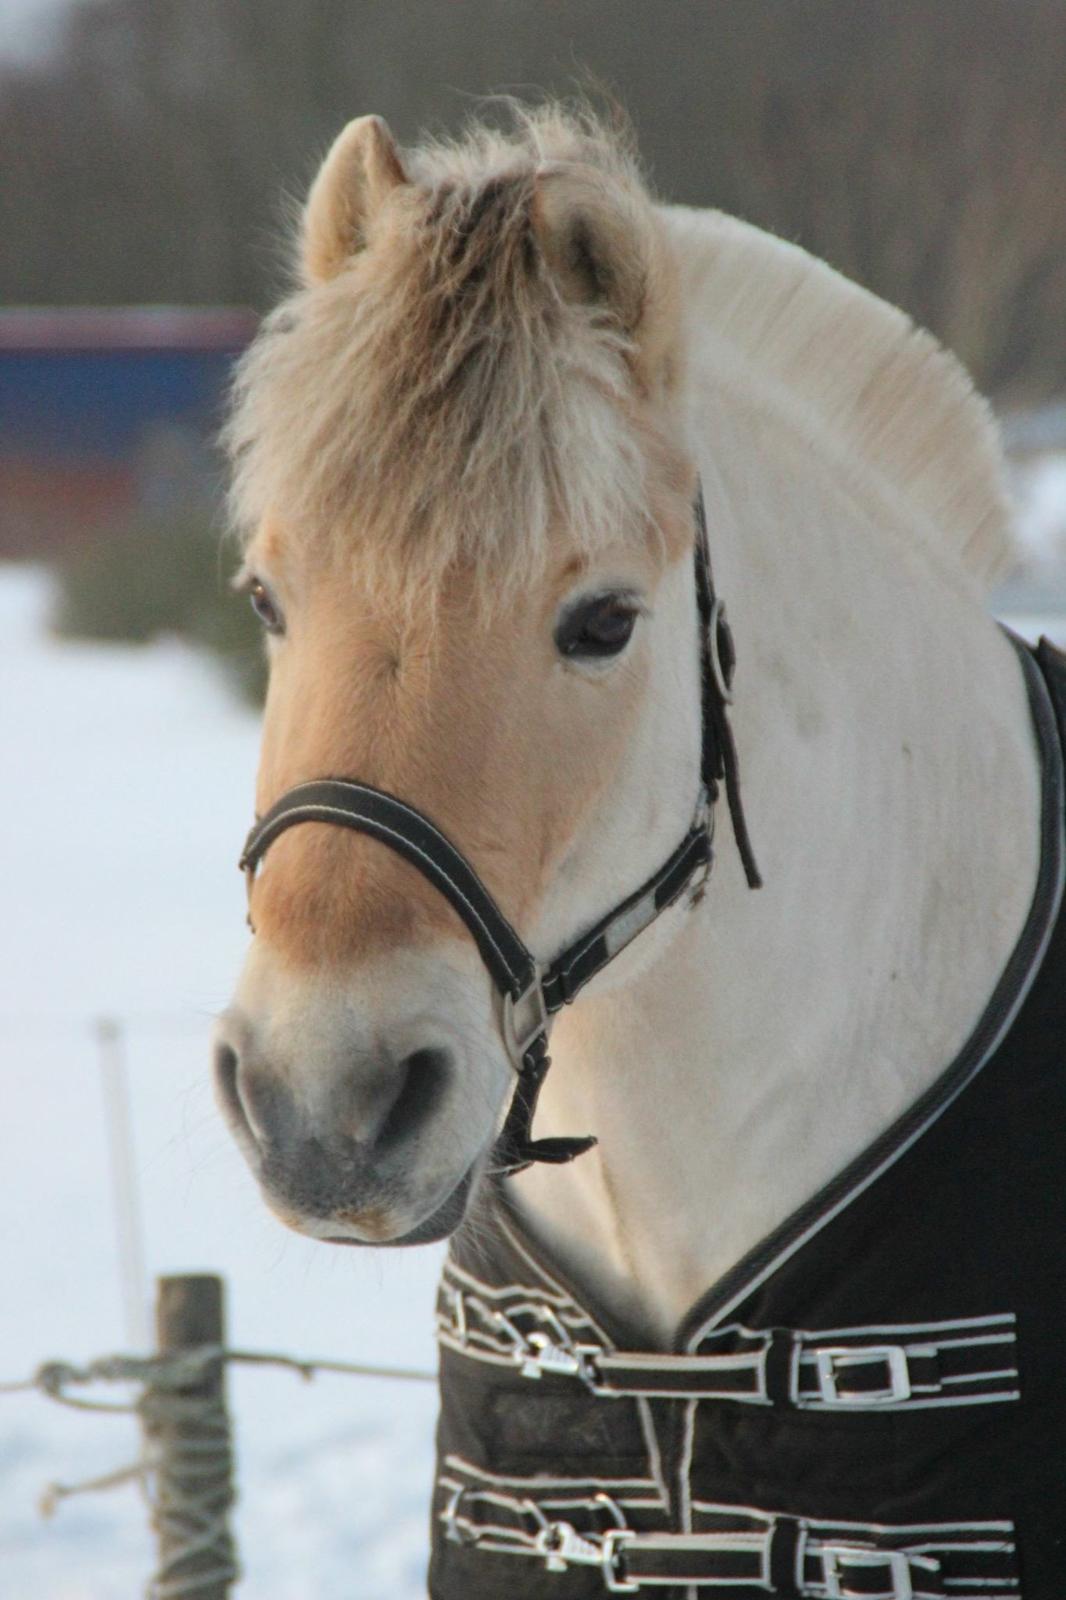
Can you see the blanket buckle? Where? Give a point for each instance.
(838, 1558)
(833, 1361)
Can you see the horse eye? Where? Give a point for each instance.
(598, 628)
(264, 607)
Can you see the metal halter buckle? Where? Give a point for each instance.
(830, 1359)
(523, 1020)
(836, 1558)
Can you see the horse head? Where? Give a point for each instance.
(466, 502)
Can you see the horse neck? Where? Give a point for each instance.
(891, 785)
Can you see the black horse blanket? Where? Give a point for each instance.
(872, 1403)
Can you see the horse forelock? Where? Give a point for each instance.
(440, 400)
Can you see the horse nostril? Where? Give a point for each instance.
(423, 1080)
(227, 1066)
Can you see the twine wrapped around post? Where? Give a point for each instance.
(187, 1439)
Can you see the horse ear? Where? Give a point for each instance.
(358, 174)
(600, 245)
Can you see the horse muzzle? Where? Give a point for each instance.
(374, 1146)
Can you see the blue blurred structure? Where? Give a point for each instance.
(102, 410)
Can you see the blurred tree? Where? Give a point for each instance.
(162, 574)
(919, 145)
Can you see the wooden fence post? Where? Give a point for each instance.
(187, 1426)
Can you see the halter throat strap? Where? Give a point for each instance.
(530, 995)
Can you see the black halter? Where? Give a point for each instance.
(529, 994)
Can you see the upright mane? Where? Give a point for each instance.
(854, 371)
(439, 393)
(442, 397)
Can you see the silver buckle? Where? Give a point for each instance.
(537, 1353)
(523, 1020)
(542, 1355)
(561, 1546)
(830, 1359)
(449, 1516)
(610, 1555)
(836, 1557)
(457, 1305)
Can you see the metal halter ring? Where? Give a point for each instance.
(715, 625)
(523, 1020)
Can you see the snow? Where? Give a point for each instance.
(29, 27)
(129, 779)
(1040, 489)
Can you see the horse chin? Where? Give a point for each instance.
(440, 1223)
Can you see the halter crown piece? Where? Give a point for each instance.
(529, 993)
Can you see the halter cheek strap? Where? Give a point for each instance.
(530, 995)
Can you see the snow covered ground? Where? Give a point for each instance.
(128, 789)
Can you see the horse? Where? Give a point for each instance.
(472, 455)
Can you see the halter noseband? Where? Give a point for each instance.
(529, 994)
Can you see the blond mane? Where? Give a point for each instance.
(440, 392)
(856, 373)
(441, 399)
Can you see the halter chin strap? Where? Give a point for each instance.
(529, 994)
